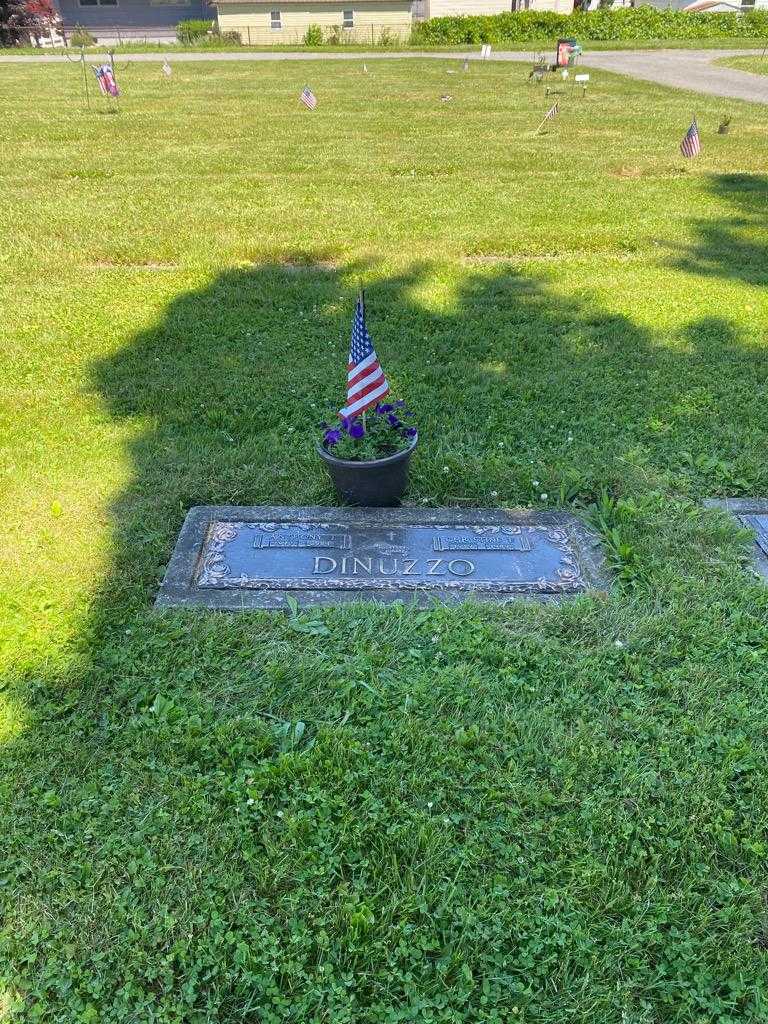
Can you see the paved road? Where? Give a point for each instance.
(682, 69)
(686, 69)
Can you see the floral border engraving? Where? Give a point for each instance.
(215, 571)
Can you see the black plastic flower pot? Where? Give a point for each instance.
(380, 483)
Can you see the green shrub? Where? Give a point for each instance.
(387, 38)
(335, 35)
(313, 36)
(627, 23)
(217, 40)
(81, 37)
(193, 30)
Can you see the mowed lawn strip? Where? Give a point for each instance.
(757, 65)
(537, 814)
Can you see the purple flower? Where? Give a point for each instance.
(400, 403)
(345, 423)
(331, 438)
(393, 420)
(411, 432)
(386, 407)
(356, 430)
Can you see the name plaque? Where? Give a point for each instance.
(230, 557)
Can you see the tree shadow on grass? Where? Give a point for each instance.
(735, 246)
(510, 384)
(174, 849)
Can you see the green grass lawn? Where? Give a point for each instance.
(535, 814)
(758, 65)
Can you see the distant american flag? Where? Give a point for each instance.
(553, 111)
(106, 79)
(691, 144)
(366, 382)
(308, 98)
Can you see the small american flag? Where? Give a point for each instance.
(167, 69)
(366, 382)
(691, 144)
(105, 76)
(308, 98)
(553, 111)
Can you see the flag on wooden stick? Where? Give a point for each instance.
(308, 98)
(553, 111)
(691, 144)
(366, 382)
(167, 69)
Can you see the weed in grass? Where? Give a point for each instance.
(611, 518)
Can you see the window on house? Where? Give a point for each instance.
(275, 20)
(97, 3)
(349, 19)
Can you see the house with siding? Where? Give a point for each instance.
(280, 21)
(287, 21)
(362, 21)
(113, 20)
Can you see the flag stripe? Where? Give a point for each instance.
(366, 386)
(366, 403)
(357, 369)
(364, 379)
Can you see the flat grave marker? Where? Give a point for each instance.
(234, 558)
(751, 513)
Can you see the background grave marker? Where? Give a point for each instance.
(751, 513)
